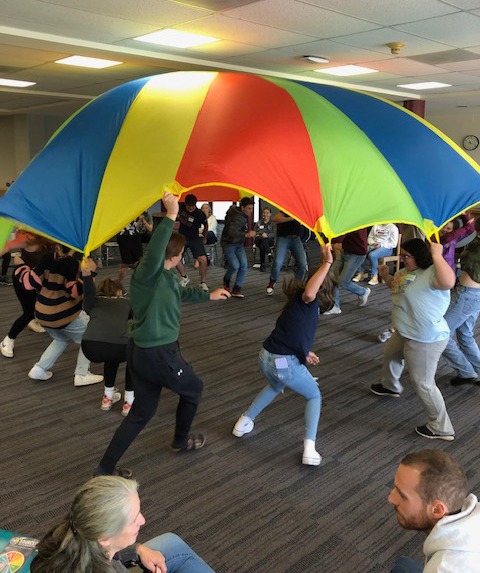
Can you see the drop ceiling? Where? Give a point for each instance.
(442, 44)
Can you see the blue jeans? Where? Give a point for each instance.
(461, 317)
(376, 254)
(407, 565)
(345, 267)
(291, 374)
(236, 258)
(61, 337)
(179, 557)
(295, 246)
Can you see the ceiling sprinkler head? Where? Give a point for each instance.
(395, 47)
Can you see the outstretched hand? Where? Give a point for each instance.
(220, 294)
(171, 204)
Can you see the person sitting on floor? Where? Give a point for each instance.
(430, 494)
(99, 534)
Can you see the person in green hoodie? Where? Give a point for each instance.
(153, 354)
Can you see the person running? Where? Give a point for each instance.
(287, 350)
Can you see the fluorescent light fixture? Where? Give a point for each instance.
(15, 83)
(317, 59)
(347, 71)
(176, 39)
(85, 62)
(425, 86)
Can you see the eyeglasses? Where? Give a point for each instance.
(405, 256)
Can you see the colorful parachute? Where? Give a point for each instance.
(333, 158)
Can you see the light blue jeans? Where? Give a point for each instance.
(461, 317)
(345, 267)
(61, 337)
(295, 246)
(286, 371)
(179, 557)
(376, 254)
(236, 258)
(407, 565)
(421, 359)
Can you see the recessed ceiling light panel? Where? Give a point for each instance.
(317, 59)
(347, 71)
(425, 86)
(85, 62)
(176, 39)
(15, 83)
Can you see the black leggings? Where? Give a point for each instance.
(112, 355)
(152, 369)
(27, 299)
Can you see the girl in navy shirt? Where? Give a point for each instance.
(287, 351)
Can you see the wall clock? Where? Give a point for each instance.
(470, 142)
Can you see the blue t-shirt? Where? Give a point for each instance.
(418, 307)
(295, 328)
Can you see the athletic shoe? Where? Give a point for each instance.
(36, 326)
(270, 287)
(310, 455)
(126, 408)
(6, 347)
(237, 292)
(184, 281)
(427, 433)
(243, 426)
(385, 335)
(107, 402)
(457, 381)
(4, 280)
(357, 278)
(334, 310)
(204, 287)
(362, 301)
(38, 373)
(380, 390)
(373, 280)
(87, 379)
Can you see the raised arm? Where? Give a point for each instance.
(315, 282)
(444, 278)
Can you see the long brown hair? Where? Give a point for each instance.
(325, 294)
(109, 287)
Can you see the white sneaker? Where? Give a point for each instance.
(184, 280)
(334, 310)
(35, 326)
(310, 455)
(362, 301)
(204, 287)
(86, 379)
(385, 335)
(6, 347)
(243, 426)
(38, 373)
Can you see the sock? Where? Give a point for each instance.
(129, 396)
(109, 392)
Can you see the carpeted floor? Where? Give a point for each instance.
(246, 505)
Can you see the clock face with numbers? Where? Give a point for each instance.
(470, 142)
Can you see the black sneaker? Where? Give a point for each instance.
(237, 292)
(457, 381)
(380, 390)
(427, 433)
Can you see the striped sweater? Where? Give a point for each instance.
(59, 289)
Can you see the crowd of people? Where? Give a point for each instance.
(59, 291)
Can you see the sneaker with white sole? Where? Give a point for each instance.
(362, 300)
(35, 326)
(425, 432)
(373, 280)
(310, 455)
(107, 402)
(6, 347)
(243, 426)
(357, 278)
(38, 373)
(380, 390)
(204, 287)
(126, 408)
(184, 281)
(334, 310)
(87, 379)
(385, 335)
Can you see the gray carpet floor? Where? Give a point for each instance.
(246, 505)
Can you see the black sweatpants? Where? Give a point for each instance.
(153, 369)
(112, 355)
(27, 299)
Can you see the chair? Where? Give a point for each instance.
(211, 250)
(108, 246)
(393, 258)
(271, 250)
